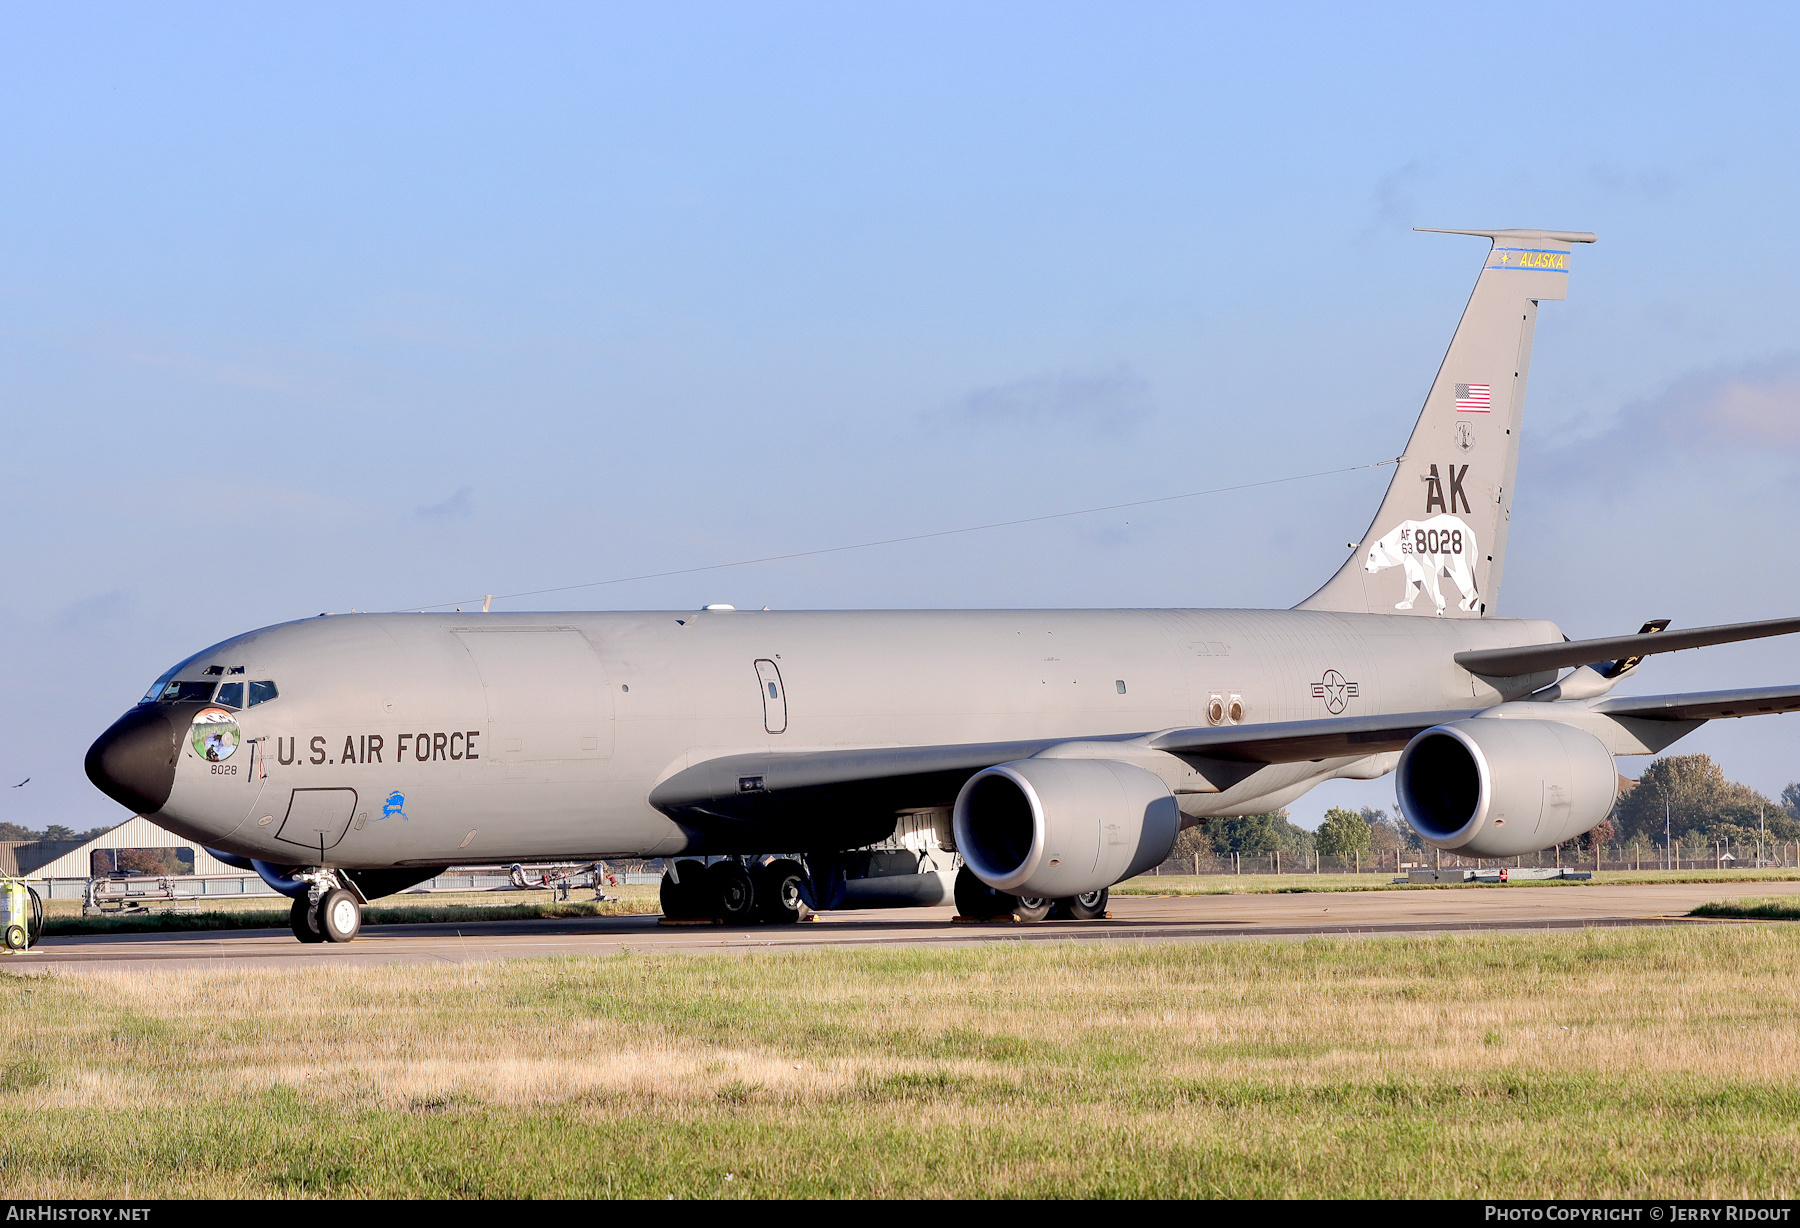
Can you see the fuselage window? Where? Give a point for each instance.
(187, 692)
(231, 694)
(261, 692)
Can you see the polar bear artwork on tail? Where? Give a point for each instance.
(1441, 546)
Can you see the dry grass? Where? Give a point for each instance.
(1759, 908)
(1602, 1063)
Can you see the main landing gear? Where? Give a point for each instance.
(734, 894)
(976, 900)
(327, 912)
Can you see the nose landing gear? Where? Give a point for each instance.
(328, 912)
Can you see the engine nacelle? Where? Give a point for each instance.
(1063, 827)
(1498, 787)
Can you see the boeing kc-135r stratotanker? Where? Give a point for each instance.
(838, 758)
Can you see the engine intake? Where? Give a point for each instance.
(1494, 787)
(1063, 827)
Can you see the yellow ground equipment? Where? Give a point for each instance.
(21, 916)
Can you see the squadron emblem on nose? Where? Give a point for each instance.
(214, 734)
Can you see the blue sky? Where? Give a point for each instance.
(326, 307)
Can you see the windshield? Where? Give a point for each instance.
(181, 692)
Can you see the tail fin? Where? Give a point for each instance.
(1446, 512)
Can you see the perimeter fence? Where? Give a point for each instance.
(1774, 855)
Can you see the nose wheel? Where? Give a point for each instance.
(337, 917)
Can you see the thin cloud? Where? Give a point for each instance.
(1109, 401)
(1394, 195)
(457, 507)
(1750, 405)
(91, 613)
(1649, 185)
(1721, 411)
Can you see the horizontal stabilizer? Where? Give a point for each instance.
(1704, 705)
(1301, 741)
(1535, 658)
(1521, 236)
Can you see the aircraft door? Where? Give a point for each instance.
(774, 697)
(546, 694)
(317, 818)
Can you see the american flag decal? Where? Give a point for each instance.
(1475, 398)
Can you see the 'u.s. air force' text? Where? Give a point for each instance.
(371, 747)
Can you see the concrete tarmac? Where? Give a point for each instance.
(1134, 919)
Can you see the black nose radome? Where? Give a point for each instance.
(134, 762)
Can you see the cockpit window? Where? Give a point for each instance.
(184, 692)
(231, 694)
(261, 692)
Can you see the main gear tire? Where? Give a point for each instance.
(778, 892)
(976, 900)
(1088, 906)
(688, 897)
(732, 893)
(1032, 907)
(303, 921)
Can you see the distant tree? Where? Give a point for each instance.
(1602, 834)
(156, 861)
(1290, 836)
(12, 831)
(1344, 834)
(1192, 840)
(1790, 800)
(56, 831)
(1253, 834)
(1389, 833)
(1699, 799)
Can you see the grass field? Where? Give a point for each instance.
(1764, 908)
(1597, 1063)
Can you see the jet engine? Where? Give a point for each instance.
(1493, 787)
(1063, 827)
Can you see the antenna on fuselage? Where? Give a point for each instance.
(486, 602)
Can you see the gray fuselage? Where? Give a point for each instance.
(427, 739)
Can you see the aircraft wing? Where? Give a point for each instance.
(825, 798)
(1298, 741)
(1535, 658)
(794, 796)
(1704, 705)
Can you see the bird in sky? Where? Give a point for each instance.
(23, 783)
